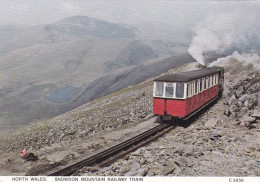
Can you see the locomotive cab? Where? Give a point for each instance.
(179, 95)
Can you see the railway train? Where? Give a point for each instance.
(182, 95)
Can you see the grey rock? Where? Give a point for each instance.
(105, 169)
(227, 112)
(256, 113)
(246, 120)
(247, 86)
(142, 161)
(254, 125)
(162, 147)
(153, 145)
(171, 166)
(232, 100)
(180, 161)
(137, 152)
(189, 152)
(135, 165)
(147, 154)
(142, 172)
(211, 123)
(243, 97)
(254, 88)
(150, 173)
(162, 153)
(240, 103)
(132, 172)
(239, 91)
(233, 110)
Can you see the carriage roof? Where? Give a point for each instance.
(187, 76)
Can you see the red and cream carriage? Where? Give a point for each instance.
(181, 95)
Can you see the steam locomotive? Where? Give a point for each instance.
(184, 94)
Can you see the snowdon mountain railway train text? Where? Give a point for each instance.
(183, 94)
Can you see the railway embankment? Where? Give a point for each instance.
(223, 141)
(82, 131)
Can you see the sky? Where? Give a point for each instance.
(160, 12)
(218, 26)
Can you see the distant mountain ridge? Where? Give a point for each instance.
(8, 30)
(48, 70)
(134, 54)
(83, 25)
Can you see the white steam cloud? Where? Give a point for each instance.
(245, 58)
(223, 33)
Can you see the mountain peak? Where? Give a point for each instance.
(84, 25)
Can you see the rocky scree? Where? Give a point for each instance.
(51, 139)
(132, 104)
(112, 112)
(242, 101)
(224, 141)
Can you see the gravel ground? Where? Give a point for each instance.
(224, 141)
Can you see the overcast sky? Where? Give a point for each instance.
(33, 12)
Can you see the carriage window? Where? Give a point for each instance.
(216, 78)
(187, 90)
(203, 84)
(207, 82)
(169, 90)
(179, 90)
(193, 88)
(190, 91)
(211, 81)
(200, 85)
(159, 89)
(196, 87)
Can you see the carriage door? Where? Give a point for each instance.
(169, 93)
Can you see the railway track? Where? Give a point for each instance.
(110, 155)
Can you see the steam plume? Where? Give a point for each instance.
(224, 33)
(245, 58)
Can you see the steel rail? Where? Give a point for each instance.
(111, 154)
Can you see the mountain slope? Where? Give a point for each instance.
(222, 140)
(48, 70)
